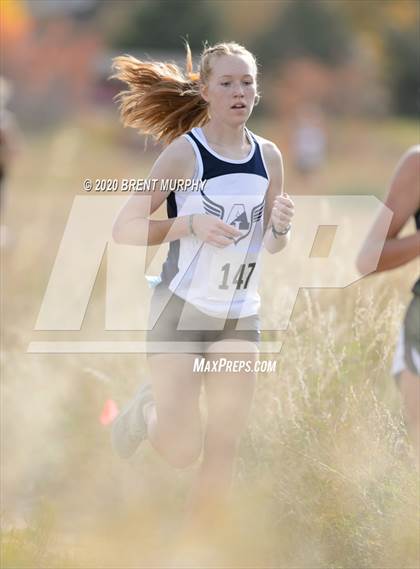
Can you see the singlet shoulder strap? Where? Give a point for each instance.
(417, 218)
(199, 167)
(259, 150)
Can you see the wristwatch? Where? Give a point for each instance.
(285, 230)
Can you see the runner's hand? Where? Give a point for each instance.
(213, 230)
(282, 212)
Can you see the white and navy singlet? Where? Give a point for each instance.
(220, 282)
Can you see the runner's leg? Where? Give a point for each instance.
(229, 396)
(173, 420)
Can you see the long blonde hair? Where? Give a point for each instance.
(163, 101)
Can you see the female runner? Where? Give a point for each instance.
(208, 281)
(403, 200)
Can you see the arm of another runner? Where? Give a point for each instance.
(279, 208)
(403, 199)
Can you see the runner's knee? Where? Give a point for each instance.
(183, 450)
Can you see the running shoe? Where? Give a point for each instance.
(129, 428)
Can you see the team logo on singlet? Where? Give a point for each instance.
(237, 216)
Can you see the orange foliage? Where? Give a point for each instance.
(16, 22)
(59, 57)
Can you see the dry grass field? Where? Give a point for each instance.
(325, 477)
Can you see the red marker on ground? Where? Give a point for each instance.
(109, 412)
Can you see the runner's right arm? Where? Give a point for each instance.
(133, 226)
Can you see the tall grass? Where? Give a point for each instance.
(328, 454)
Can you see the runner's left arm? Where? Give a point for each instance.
(279, 208)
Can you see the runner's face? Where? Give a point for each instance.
(231, 88)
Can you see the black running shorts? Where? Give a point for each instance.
(407, 354)
(199, 329)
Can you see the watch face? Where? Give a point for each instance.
(286, 230)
